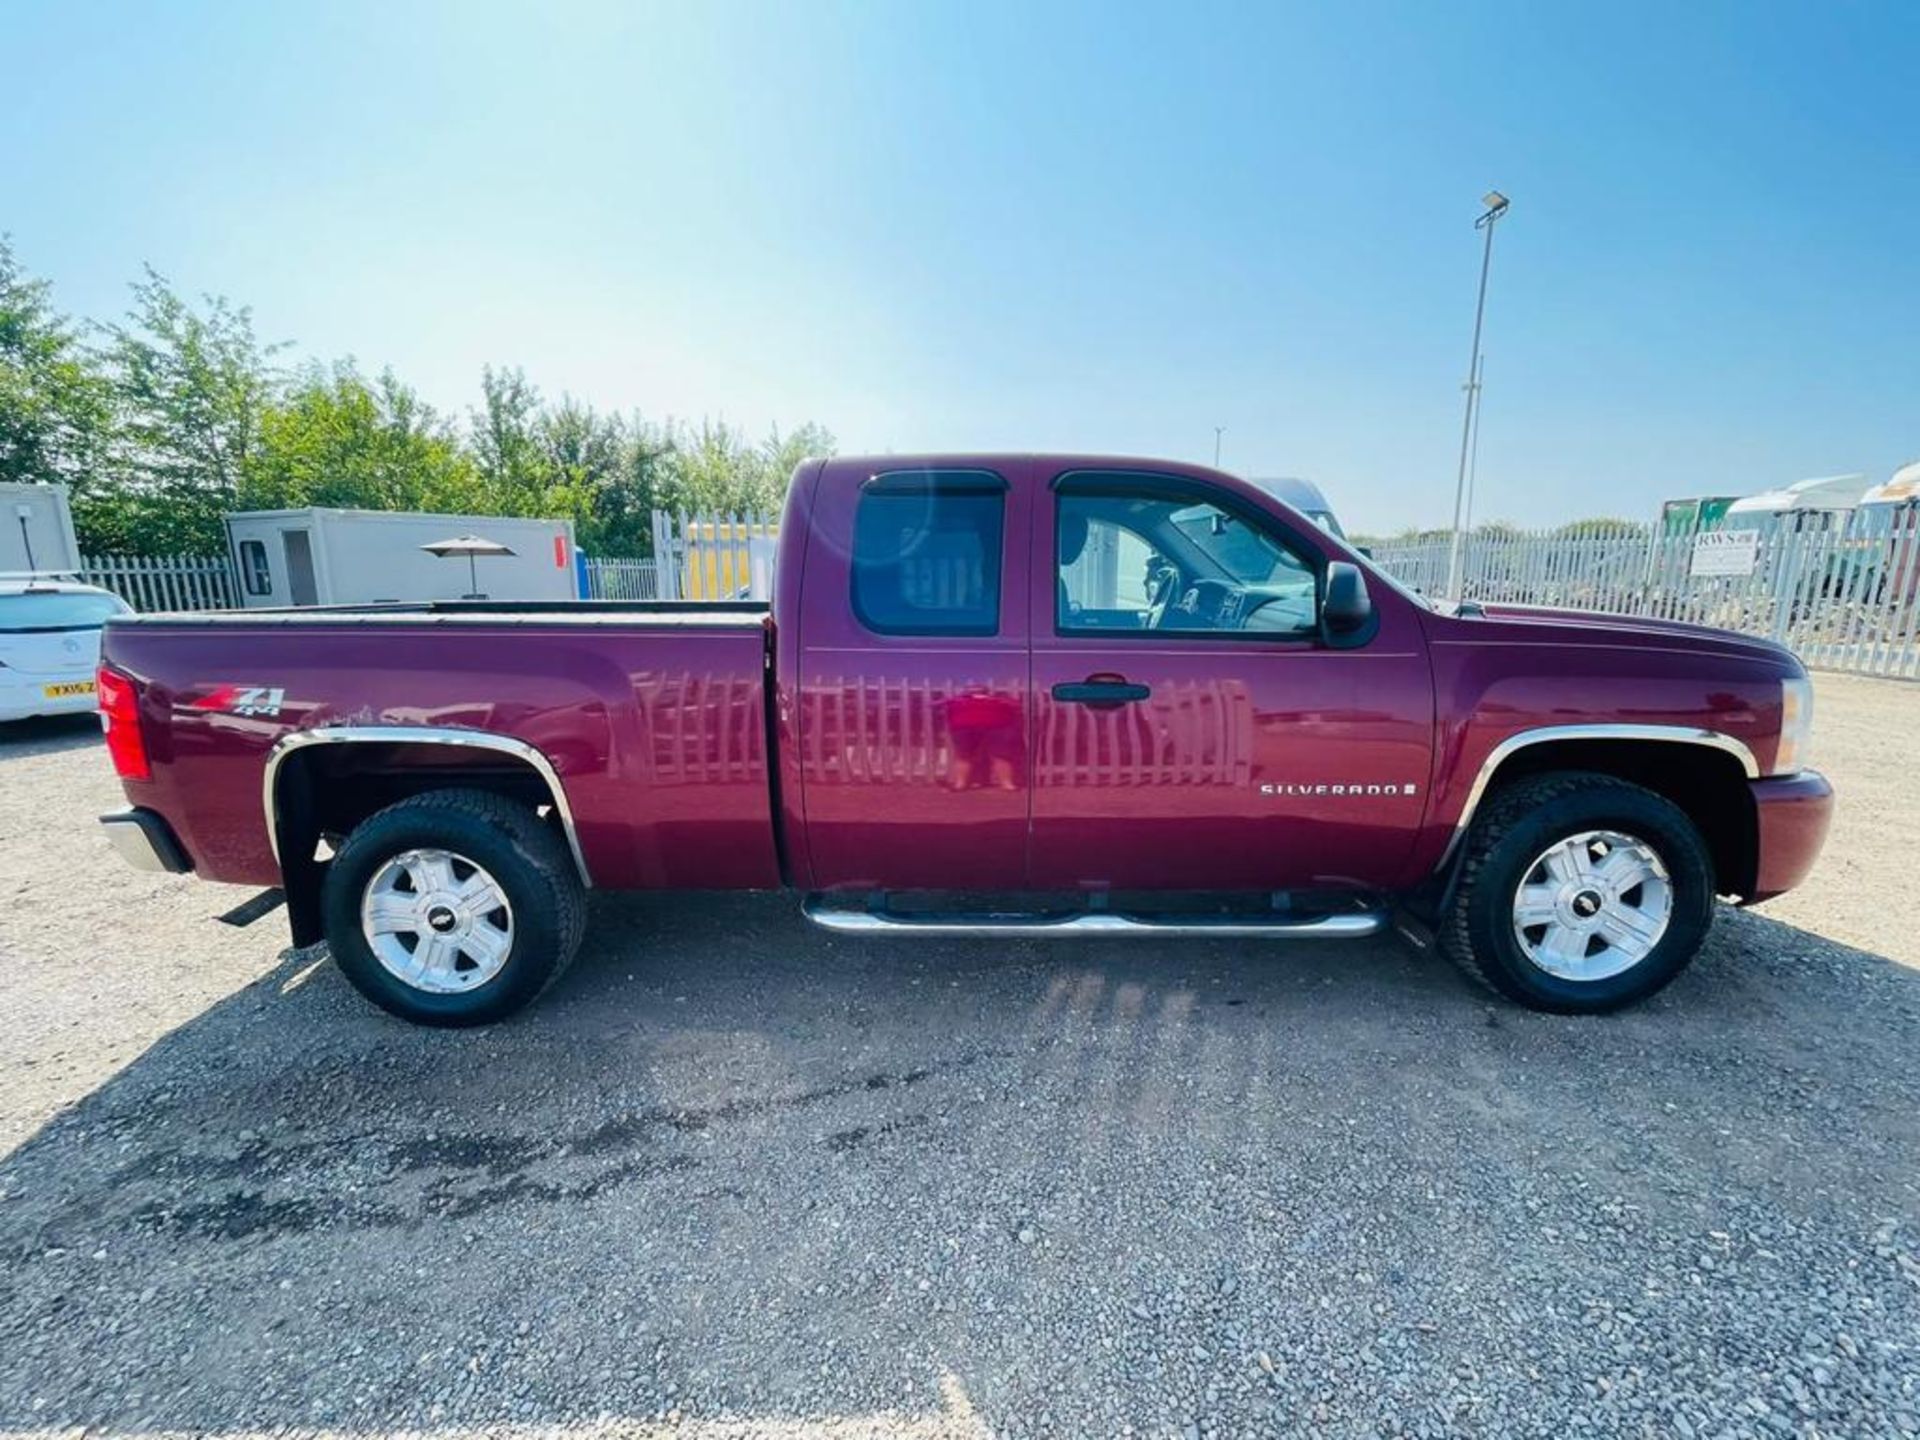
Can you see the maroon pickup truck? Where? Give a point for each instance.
(1012, 695)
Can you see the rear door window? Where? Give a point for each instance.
(926, 553)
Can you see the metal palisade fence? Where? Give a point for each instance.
(622, 579)
(1841, 588)
(163, 582)
(715, 556)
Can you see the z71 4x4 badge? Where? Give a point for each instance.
(244, 699)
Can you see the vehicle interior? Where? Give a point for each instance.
(1146, 562)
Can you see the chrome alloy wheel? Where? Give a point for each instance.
(437, 921)
(1592, 905)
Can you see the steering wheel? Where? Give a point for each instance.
(1202, 606)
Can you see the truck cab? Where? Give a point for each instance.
(1087, 676)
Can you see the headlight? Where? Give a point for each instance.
(1796, 725)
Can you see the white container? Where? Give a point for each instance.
(318, 556)
(36, 531)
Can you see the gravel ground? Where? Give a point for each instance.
(737, 1178)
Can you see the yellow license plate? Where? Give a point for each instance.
(72, 687)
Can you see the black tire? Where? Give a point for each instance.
(1514, 827)
(531, 864)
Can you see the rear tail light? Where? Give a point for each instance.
(120, 717)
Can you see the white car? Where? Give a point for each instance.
(50, 645)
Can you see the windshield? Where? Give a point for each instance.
(1242, 554)
(57, 610)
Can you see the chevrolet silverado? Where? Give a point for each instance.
(1001, 695)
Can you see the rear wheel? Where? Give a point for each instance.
(453, 908)
(1579, 894)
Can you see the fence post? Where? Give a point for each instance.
(666, 567)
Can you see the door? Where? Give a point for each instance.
(299, 548)
(1192, 731)
(912, 667)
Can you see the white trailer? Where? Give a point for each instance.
(36, 531)
(319, 556)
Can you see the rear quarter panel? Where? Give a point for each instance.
(657, 733)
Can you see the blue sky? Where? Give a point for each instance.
(1065, 227)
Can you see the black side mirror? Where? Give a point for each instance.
(1346, 610)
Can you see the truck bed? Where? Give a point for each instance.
(695, 613)
(652, 717)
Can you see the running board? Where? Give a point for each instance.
(1101, 924)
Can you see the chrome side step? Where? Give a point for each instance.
(1101, 924)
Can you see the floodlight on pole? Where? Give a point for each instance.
(1497, 205)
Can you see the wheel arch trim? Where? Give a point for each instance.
(1548, 734)
(531, 755)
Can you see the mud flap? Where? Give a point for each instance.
(301, 875)
(302, 880)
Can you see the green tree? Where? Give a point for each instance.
(336, 438)
(191, 386)
(714, 468)
(505, 435)
(178, 415)
(609, 471)
(1601, 528)
(56, 410)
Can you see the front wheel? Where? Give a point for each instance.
(456, 907)
(1579, 894)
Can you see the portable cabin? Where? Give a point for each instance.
(1805, 504)
(36, 531)
(321, 556)
(1903, 489)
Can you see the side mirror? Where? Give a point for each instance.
(1346, 610)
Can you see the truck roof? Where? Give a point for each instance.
(938, 460)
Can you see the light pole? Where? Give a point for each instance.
(1496, 204)
(1218, 431)
(1473, 450)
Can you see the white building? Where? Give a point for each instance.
(318, 556)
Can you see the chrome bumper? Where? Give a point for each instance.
(144, 841)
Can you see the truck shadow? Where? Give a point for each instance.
(733, 1167)
(47, 735)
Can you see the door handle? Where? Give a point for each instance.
(1100, 692)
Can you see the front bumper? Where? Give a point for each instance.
(1793, 812)
(146, 842)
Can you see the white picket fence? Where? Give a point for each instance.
(1842, 589)
(164, 582)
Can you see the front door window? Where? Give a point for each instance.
(1131, 559)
